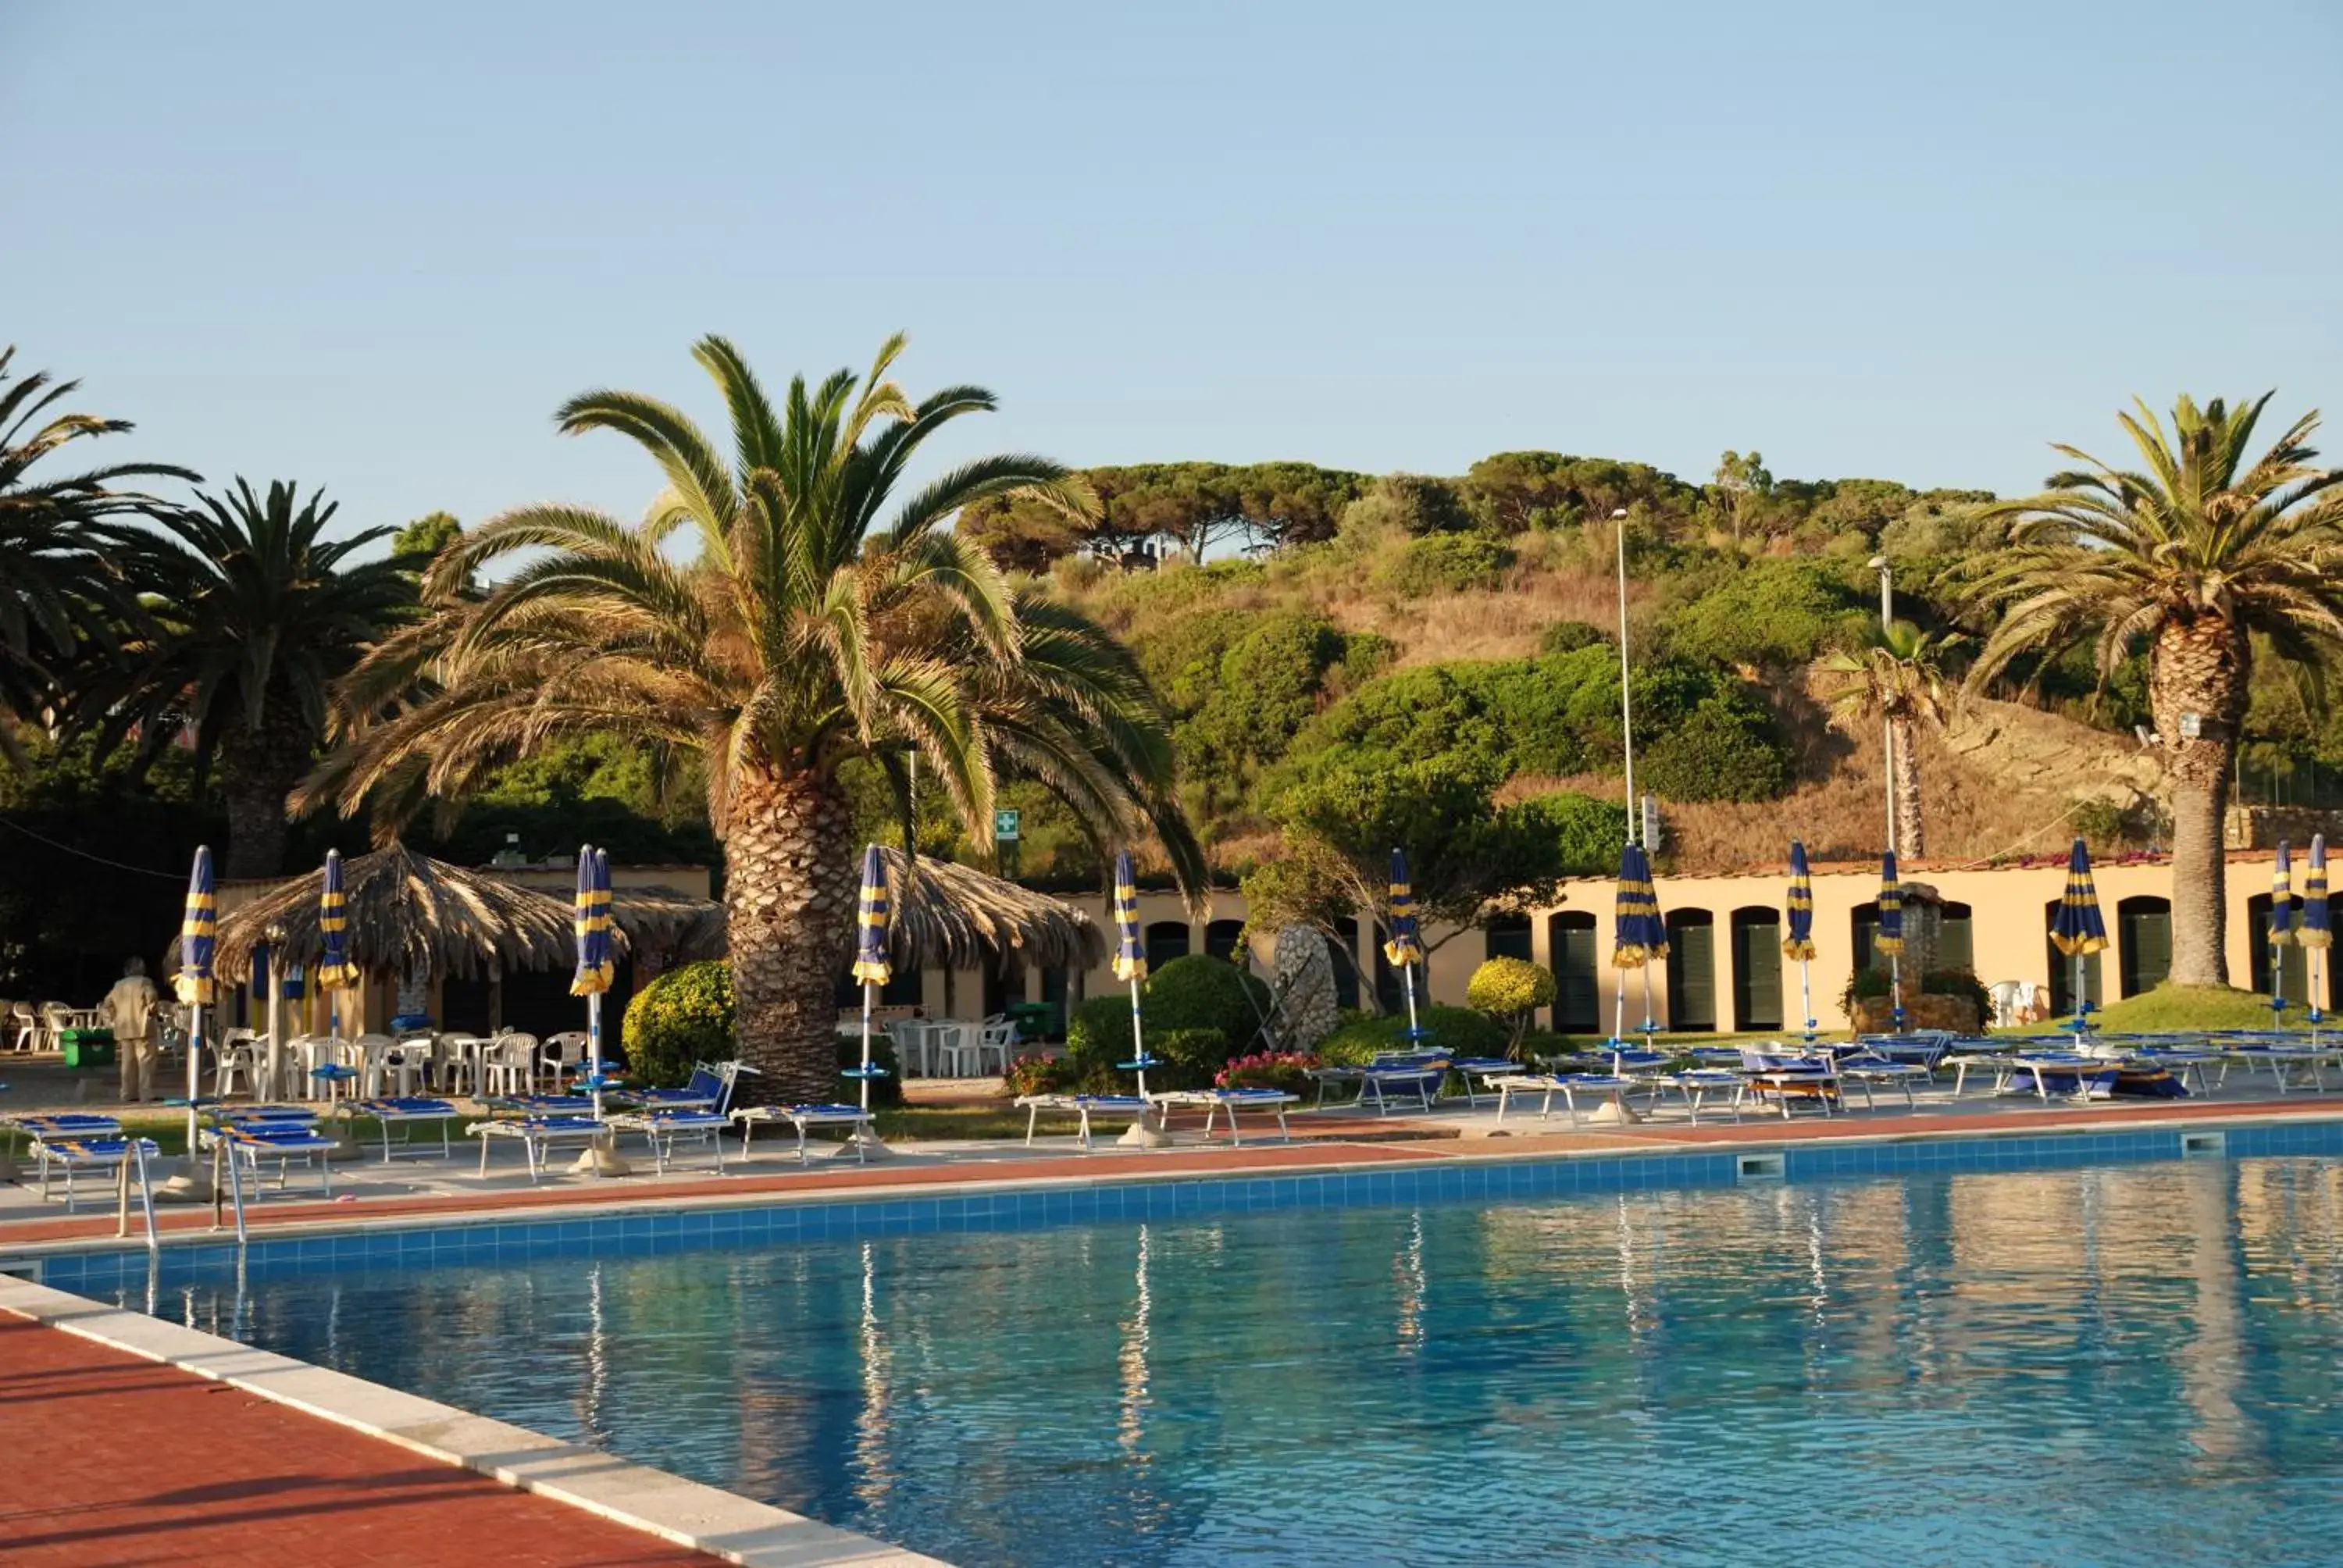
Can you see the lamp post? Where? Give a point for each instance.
(1887, 723)
(1627, 713)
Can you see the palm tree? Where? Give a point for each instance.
(1898, 673)
(58, 591)
(2191, 558)
(256, 615)
(826, 618)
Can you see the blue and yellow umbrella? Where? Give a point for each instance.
(199, 934)
(335, 971)
(2316, 934)
(871, 964)
(1890, 940)
(1129, 956)
(1800, 906)
(2317, 931)
(1406, 944)
(198, 942)
(2281, 898)
(2077, 929)
(590, 915)
(1131, 962)
(1639, 935)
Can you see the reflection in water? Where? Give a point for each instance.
(1227, 1390)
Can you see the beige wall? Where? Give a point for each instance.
(2008, 928)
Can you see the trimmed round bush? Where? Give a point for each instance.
(682, 1017)
(685, 1016)
(1509, 990)
(1200, 991)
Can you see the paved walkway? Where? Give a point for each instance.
(117, 1461)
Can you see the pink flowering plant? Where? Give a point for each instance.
(1034, 1073)
(1284, 1070)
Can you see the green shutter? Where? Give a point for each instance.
(2147, 936)
(1758, 971)
(1578, 1001)
(1956, 947)
(1692, 975)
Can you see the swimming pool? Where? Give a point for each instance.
(2102, 1364)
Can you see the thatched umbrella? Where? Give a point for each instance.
(407, 912)
(946, 916)
(668, 926)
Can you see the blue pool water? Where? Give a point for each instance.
(2114, 1364)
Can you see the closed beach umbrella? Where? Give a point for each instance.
(1799, 943)
(1639, 935)
(2281, 924)
(335, 973)
(591, 918)
(871, 966)
(1130, 961)
(2317, 934)
(199, 939)
(2077, 930)
(1405, 948)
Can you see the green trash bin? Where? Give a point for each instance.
(87, 1047)
(1038, 1020)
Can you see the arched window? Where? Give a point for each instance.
(1166, 940)
(2293, 964)
(1757, 967)
(1224, 939)
(2143, 943)
(1571, 941)
(1955, 939)
(1507, 937)
(1692, 969)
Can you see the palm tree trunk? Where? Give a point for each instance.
(257, 769)
(788, 891)
(1911, 838)
(2200, 667)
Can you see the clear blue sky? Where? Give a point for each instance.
(375, 246)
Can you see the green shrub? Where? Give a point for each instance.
(1570, 636)
(1202, 992)
(1868, 983)
(1509, 990)
(685, 1016)
(1725, 748)
(1410, 503)
(1038, 1074)
(1193, 1057)
(1098, 1032)
(1777, 612)
(682, 1017)
(1458, 1031)
(1446, 563)
(1287, 1072)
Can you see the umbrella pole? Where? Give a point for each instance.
(2082, 1002)
(1650, 1024)
(1407, 978)
(1138, 1046)
(1896, 993)
(195, 1074)
(594, 1050)
(1806, 997)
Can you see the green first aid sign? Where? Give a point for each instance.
(1005, 826)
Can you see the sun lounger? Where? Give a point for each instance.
(537, 1107)
(1878, 1060)
(710, 1088)
(71, 1154)
(1791, 1079)
(409, 1111)
(282, 1141)
(1480, 1072)
(44, 1131)
(1604, 1087)
(1216, 1101)
(1698, 1085)
(2282, 1062)
(804, 1117)
(1129, 1107)
(1402, 1078)
(538, 1136)
(663, 1129)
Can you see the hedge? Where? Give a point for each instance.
(685, 1016)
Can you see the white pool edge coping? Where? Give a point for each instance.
(685, 1512)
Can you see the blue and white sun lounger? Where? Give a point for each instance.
(539, 1134)
(45, 1133)
(1479, 1073)
(278, 1139)
(408, 1111)
(710, 1088)
(663, 1129)
(1600, 1086)
(802, 1118)
(540, 1106)
(1218, 1100)
(1130, 1107)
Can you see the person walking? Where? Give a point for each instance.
(132, 1010)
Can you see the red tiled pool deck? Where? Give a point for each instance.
(117, 1461)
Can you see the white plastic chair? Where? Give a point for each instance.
(238, 1065)
(997, 1039)
(22, 1026)
(508, 1064)
(56, 1019)
(952, 1044)
(563, 1055)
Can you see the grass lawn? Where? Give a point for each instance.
(2187, 1007)
(913, 1123)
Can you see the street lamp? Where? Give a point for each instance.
(1626, 714)
(1886, 571)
